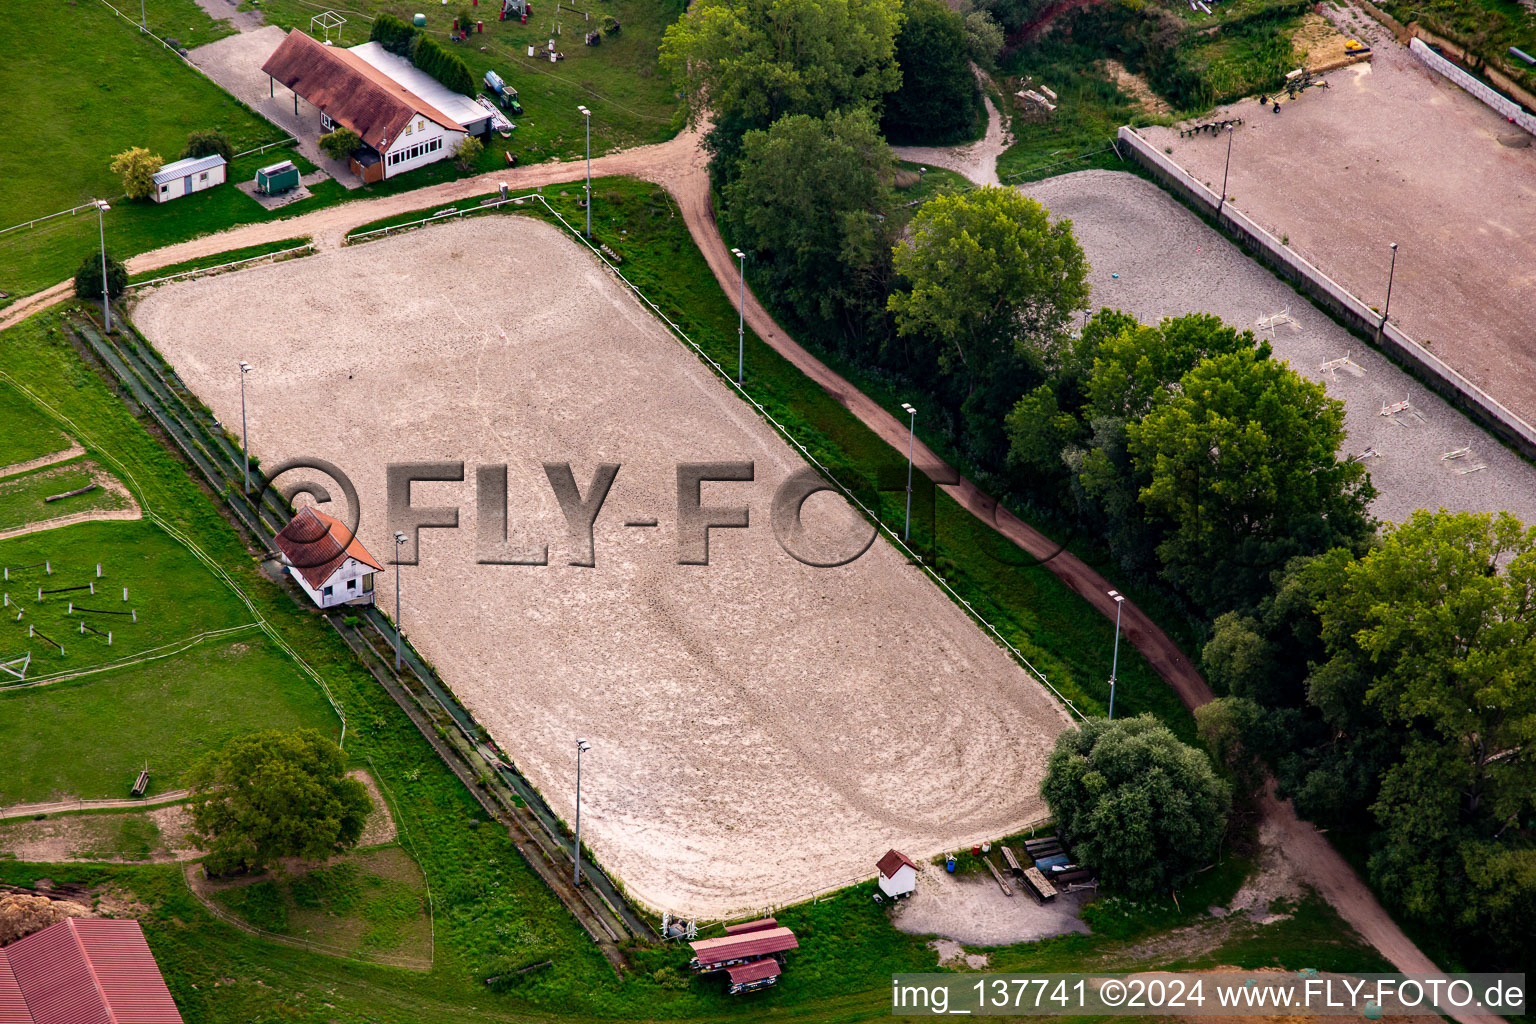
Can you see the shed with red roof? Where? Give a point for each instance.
(327, 559)
(898, 874)
(84, 970)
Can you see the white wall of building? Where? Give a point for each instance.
(425, 142)
(201, 180)
(899, 884)
(347, 584)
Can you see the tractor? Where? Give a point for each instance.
(506, 96)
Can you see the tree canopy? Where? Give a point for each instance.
(1136, 805)
(275, 794)
(938, 101)
(754, 61)
(1242, 464)
(991, 285)
(207, 143)
(808, 188)
(138, 167)
(88, 277)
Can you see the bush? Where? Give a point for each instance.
(339, 144)
(392, 34)
(1135, 804)
(938, 101)
(468, 152)
(88, 277)
(610, 25)
(207, 143)
(138, 167)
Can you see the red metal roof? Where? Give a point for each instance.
(349, 90)
(13, 1005)
(90, 971)
(741, 947)
(757, 970)
(763, 924)
(892, 862)
(316, 546)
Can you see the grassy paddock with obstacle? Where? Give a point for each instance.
(25, 432)
(50, 587)
(52, 492)
(88, 737)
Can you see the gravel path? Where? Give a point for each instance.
(56, 806)
(975, 161)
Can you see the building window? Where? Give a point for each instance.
(327, 591)
(368, 584)
(203, 176)
(351, 584)
(421, 125)
(408, 129)
(165, 188)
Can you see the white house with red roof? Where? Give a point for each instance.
(898, 875)
(327, 560)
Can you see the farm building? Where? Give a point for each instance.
(475, 119)
(751, 954)
(84, 969)
(331, 564)
(898, 875)
(184, 177)
(401, 130)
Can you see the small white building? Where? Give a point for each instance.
(184, 177)
(898, 875)
(330, 564)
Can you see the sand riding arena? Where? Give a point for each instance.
(760, 728)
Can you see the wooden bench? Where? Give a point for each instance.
(141, 784)
(1039, 886)
(1012, 862)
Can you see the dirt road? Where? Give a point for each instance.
(175, 796)
(974, 161)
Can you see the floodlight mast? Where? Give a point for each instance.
(400, 539)
(1114, 669)
(582, 746)
(906, 533)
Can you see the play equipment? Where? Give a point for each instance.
(506, 95)
(275, 179)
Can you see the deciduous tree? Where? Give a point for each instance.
(138, 167)
(339, 143)
(938, 101)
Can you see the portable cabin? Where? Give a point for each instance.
(184, 177)
(277, 178)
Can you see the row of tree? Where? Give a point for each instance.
(425, 52)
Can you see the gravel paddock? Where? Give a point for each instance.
(760, 728)
(1154, 258)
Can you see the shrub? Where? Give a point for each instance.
(138, 167)
(610, 25)
(339, 144)
(393, 34)
(88, 277)
(207, 143)
(468, 152)
(447, 67)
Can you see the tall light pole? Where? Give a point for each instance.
(906, 531)
(106, 300)
(399, 540)
(1223, 201)
(1387, 306)
(1114, 668)
(582, 746)
(588, 115)
(741, 318)
(245, 368)
(143, 21)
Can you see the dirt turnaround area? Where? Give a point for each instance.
(1388, 153)
(760, 728)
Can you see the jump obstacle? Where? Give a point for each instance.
(48, 567)
(17, 666)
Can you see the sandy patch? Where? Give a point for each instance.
(1136, 87)
(1392, 153)
(380, 827)
(1154, 258)
(973, 910)
(761, 728)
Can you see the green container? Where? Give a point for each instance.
(277, 178)
(420, 21)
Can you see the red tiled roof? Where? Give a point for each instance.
(316, 546)
(740, 947)
(757, 970)
(90, 971)
(349, 90)
(763, 924)
(892, 862)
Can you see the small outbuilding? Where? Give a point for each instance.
(329, 563)
(184, 177)
(898, 875)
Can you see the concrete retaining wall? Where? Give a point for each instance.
(1500, 105)
(1344, 307)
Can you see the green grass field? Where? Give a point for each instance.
(25, 432)
(85, 85)
(22, 497)
(87, 737)
(174, 596)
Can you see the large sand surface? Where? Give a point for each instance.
(760, 728)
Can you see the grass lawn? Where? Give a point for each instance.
(620, 81)
(22, 496)
(88, 737)
(25, 432)
(368, 902)
(86, 85)
(175, 596)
